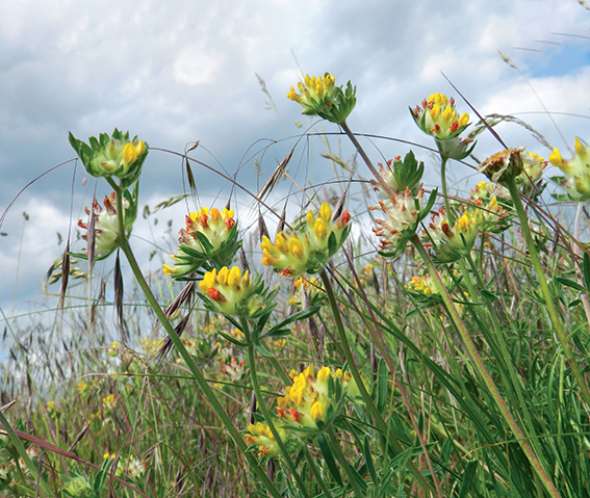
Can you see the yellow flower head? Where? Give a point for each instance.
(438, 117)
(260, 435)
(310, 247)
(451, 241)
(219, 231)
(576, 170)
(319, 96)
(227, 289)
(308, 400)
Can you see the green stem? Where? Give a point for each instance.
(268, 417)
(198, 377)
(549, 302)
(443, 176)
(485, 374)
(345, 346)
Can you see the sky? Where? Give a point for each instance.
(177, 72)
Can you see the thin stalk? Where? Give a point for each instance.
(268, 417)
(198, 377)
(443, 181)
(485, 374)
(345, 346)
(549, 302)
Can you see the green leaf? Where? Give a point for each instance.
(586, 270)
(468, 479)
(329, 458)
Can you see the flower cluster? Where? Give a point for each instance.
(494, 204)
(438, 117)
(576, 169)
(228, 290)
(210, 236)
(106, 224)
(421, 285)
(116, 155)
(453, 239)
(308, 248)
(311, 399)
(533, 166)
(319, 96)
(260, 435)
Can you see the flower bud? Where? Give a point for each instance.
(319, 96)
(106, 223)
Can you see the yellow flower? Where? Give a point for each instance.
(228, 289)
(438, 117)
(309, 248)
(259, 434)
(319, 96)
(576, 170)
(308, 399)
(219, 231)
(451, 241)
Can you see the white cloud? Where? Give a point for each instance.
(179, 71)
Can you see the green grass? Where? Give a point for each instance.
(476, 388)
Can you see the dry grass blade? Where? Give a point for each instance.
(185, 295)
(65, 275)
(275, 177)
(119, 291)
(477, 113)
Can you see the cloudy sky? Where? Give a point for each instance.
(176, 72)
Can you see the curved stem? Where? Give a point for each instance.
(198, 377)
(545, 291)
(485, 374)
(268, 417)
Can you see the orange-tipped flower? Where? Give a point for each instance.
(227, 289)
(209, 235)
(309, 248)
(438, 117)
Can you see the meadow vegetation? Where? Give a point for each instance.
(445, 355)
